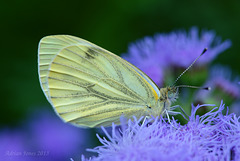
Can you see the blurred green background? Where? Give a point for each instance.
(109, 24)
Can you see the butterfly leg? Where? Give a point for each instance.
(171, 112)
(169, 119)
(177, 113)
(145, 119)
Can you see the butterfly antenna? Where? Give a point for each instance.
(187, 86)
(204, 50)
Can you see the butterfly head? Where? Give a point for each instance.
(168, 94)
(172, 94)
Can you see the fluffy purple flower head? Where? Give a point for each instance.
(12, 145)
(213, 136)
(220, 79)
(45, 138)
(60, 140)
(181, 48)
(154, 55)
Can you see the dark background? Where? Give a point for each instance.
(109, 24)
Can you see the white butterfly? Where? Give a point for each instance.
(89, 86)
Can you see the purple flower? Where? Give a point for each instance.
(181, 48)
(12, 145)
(158, 55)
(213, 136)
(220, 80)
(61, 141)
(45, 137)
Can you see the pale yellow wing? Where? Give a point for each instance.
(89, 86)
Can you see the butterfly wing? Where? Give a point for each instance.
(89, 86)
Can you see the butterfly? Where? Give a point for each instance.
(89, 86)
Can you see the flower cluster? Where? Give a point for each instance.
(213, 136)
(158, 55)
(223, 84)
(44, 137)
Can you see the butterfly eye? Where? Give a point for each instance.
(149, 107)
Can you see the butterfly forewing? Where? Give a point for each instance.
(89, 86)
